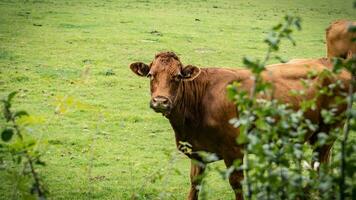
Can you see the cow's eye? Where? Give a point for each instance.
(150, 76)
(178, 77)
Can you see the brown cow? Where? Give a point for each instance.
(195, 103)
(339, 40)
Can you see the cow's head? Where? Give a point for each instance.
(166, 73)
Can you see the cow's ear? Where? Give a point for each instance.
(140, 68)
(190, 72)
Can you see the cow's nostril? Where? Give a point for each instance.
(160, 101)
(165, 101)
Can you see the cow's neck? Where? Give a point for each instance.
(188, 110)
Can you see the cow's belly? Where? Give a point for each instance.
(208, 139)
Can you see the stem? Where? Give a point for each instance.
(283, 180)
(257, 79)
(268, 189)
(300, 173)
(252, 96)
(267, 57)
(248, 183)
(37, 184)
(40, 192)
(16, 184)
(344, 140)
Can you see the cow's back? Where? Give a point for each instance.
(291, 75)
(285, 78)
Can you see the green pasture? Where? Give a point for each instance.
(72, 57)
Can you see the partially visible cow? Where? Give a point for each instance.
(195, 103)
(339, 39)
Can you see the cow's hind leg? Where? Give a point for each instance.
(323, 155)
(196, 175)
(324, 150)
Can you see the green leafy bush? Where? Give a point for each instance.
(273, 134)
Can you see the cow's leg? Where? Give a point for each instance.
(324, 150)
(196, 172)
(235, 179)
(323, 153)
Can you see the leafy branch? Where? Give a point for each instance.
(273, 134)
(25, 151)
(246, 105)
(350, 65)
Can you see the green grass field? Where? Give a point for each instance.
(109, 144)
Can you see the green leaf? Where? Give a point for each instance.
(249, 62)
(272, 41)
(19, 159)
(352, 29)
(40, 162)
(11, 96)
(280, 59)
(277, 27)
(7, 134)
(6, 111)
(20, 114)
(231, 91)
(297, 24)
(291, 40)
(242, 138)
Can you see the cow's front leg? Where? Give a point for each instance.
(235, 179)
(196, 172)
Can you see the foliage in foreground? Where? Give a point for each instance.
(275, 164)
(22, 149)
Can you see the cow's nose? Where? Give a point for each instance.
(160, 100)
(160, 103)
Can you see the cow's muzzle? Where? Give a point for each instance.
(161, 104)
